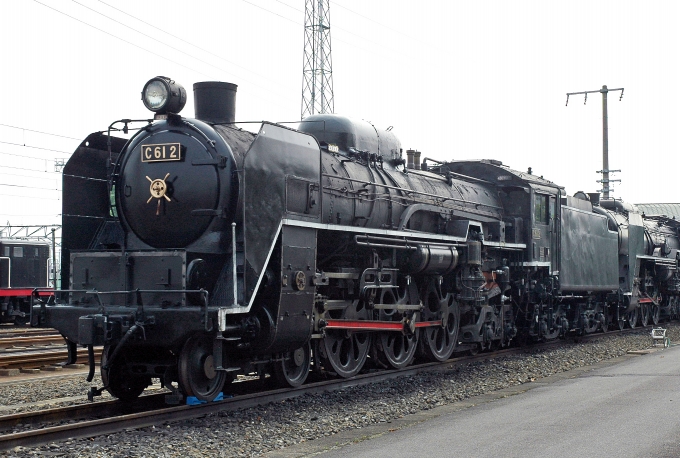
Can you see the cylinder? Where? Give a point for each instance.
(215, 102)
(431, 260)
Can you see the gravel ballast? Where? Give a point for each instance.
(255, 431)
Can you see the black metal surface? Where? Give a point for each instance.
(276, 154)
(215, 102)
(195, 186)
(86, 201)
(589, 253)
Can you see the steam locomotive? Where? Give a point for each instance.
(197, 251)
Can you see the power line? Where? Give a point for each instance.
(40, 132)
(27, 157)
(188, 42)
(271, 12)
(23, 196)
(152, 38)
(36, 147)
(193, 69)
(381, 25)
(26, 176)
(29, 187)
(121, 39)
(24, 168)
(290, 6)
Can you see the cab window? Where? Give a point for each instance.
(541, 213)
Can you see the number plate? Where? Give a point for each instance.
(161, 152)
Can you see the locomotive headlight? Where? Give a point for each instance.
(162, 95)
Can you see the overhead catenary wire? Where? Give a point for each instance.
(191, 69)
(187, 42)
(39, 132)
(35, 147)
(27, 157)
(24, 168)
(174, 48)
(23, 196)
(29, 187)
(119, 38)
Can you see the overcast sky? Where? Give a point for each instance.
(455, 79)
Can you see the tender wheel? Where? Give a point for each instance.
(346, 351)
(395, 349)
(197, 374)
(438, 342)
(632, 317)
(118, 382)
(294, 368)
(644, 314)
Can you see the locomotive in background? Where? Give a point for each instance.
(197, 251)
(24, 266)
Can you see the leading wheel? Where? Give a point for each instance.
(118, 382)
(346, 350)
(293, 369)
(197, 374)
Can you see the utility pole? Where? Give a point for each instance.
(605, 137)
(317, 70)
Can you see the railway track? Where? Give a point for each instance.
(25, 348)
(106, 417)
(14, 332)
(26, 342)
(38, 358)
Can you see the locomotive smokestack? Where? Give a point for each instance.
(409, 158)
(416, 160)
(215, 102)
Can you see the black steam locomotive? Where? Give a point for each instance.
(197, 251)
(24, 271)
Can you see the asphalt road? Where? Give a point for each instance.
(628, 409)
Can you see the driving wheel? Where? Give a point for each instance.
(644, 314)
(438, 342)
(346, 350)
(395, 348)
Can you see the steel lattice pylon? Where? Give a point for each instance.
(317, 72)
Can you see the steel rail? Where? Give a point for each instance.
(35, 359)
(24, 341)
